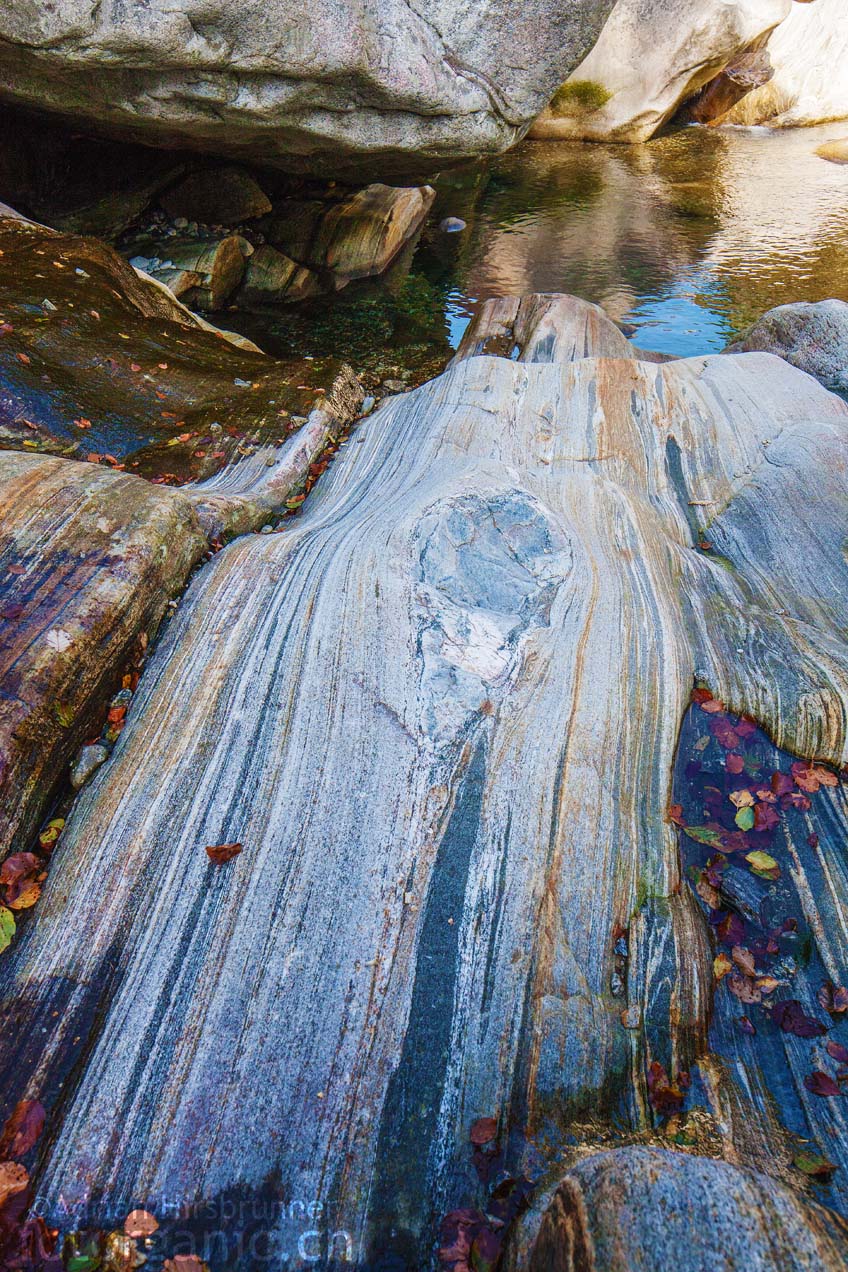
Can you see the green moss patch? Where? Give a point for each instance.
(579, 95)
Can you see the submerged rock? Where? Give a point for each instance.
(812, 337)
(333, 87)
(649, 59)
(647, 1208)
(439, 715)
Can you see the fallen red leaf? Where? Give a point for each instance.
(140, 1223)
(484, 1130)
(811, 776)
(220, 854)
(791, 1018)
(821, 1083)
(22, 1129)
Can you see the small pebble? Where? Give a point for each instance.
(48, 305)
(368, 404)
(266, 530)
(451, 225)
(87, 763)
(394, 386)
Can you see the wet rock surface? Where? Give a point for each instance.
(439, 715)
(89, 559)
(98, 364)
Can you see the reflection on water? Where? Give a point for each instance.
(688, 238)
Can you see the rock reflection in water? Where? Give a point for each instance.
(689, 238)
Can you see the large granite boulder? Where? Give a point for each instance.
(809, 57)
(644, 1209)
(651, 56)
(812, 337)
(342, 85)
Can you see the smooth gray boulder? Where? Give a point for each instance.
(644, 1209)
(334, 87)
(812, 337)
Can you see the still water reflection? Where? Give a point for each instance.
(688, 239)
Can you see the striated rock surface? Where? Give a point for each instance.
(641, 1208)
(345, 86)
(439, 715)
(812, 337)
(88, 562)
(357, 236)
(650, 57)
(809, 56)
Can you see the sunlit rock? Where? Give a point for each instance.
(809, 55)
(649, 59)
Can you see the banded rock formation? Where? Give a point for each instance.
(440, 715)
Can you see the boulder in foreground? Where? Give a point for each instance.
(810, 336)
(639, 1209)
